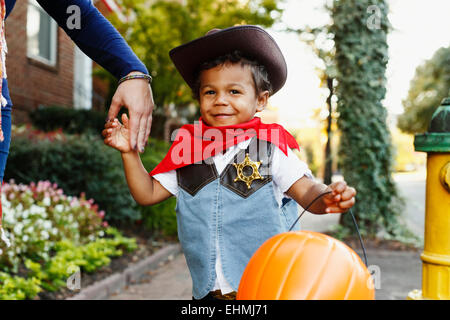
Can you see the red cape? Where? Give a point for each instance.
(197, 142)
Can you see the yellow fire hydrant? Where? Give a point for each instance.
(436, 254)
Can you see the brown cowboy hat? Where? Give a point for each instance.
(252, 41)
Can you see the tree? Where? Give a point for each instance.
(155, 27)
(360, 29)
(429, 86)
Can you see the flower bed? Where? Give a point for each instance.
(53, 236)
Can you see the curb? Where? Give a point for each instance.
(115, 283)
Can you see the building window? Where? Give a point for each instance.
(41, 34)
(82, 81)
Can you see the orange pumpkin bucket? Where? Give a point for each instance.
(305, 265)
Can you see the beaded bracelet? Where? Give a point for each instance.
(136, 76)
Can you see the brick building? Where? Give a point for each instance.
(44, 66)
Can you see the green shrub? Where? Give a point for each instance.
(154, 153)
(52, 235)
(78, 164)
(37, 216)
(18, 288)
(160, 217)
(83, 164)
(70, 120)
(70, 258)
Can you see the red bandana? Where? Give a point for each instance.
(197, 142)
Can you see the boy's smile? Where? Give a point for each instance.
(228, 95)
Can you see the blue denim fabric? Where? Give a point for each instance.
(9, 5)
(241, 226)
(6, 127)
(5, 93)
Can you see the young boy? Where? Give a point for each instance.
(234, 177)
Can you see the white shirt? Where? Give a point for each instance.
(285, 171)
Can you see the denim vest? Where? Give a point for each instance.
(211, 206)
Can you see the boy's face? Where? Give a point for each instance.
(228, 95)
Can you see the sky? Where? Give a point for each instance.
(420, 28)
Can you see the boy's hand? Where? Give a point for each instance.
(117, 135)
(341, 199)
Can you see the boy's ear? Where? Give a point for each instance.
(263, 97)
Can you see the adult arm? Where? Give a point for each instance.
(99, 40)
(94, 35)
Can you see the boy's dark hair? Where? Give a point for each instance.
(259, 72)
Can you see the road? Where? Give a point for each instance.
(412, 188)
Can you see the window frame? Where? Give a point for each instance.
(53, 39)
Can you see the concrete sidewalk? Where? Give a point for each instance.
(397, 272)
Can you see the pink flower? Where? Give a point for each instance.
(101, 214)
(105, 224)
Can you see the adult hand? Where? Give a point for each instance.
(135, 95)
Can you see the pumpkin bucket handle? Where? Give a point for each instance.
(354, 222)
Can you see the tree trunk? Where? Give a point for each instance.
(328, 159)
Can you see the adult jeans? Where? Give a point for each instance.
(4, 145)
